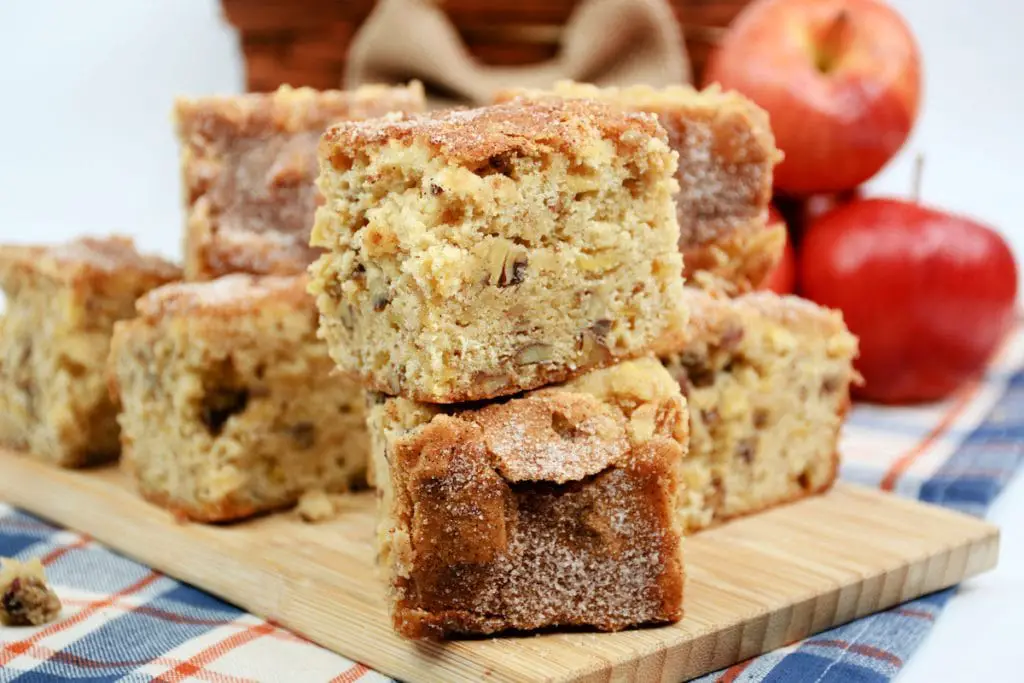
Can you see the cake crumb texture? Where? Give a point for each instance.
(230, 404)
(480, 253)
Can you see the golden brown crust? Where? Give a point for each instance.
(487, 534)
(601, 552)
(476, 136)
(248, 166)
(222, 510)
(228, 296)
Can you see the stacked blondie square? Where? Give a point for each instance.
(532, 327)
(495, 277)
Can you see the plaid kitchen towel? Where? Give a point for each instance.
(124, 622)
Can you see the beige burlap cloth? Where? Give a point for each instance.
(607, 42)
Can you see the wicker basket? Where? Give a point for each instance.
(304, 42)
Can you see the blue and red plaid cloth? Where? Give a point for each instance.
(123, 621)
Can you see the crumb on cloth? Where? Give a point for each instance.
(25, 598)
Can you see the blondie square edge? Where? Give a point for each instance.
(726, 156)
(230, 405)
(62, 303)
(248, 166)
(475, 254)
(555, 508)
(767, 379)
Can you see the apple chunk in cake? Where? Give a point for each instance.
(230, 405)
(475, 254)
(557, 507)
(62, 303)
(767, 380)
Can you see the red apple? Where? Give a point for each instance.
(929, 294)
(840, 80)
(782, 280)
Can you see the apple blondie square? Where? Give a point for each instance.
(230, 405)
(474, 254)
(767, 380)
(557, 507)
(726, 156)
(248, 165)
(61, 305)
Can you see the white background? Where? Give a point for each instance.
(86, 88)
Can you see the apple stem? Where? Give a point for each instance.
(832, 42)
(917, 178)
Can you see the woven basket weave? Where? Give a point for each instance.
(305, 42)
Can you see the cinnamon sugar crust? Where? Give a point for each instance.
(473, 136)
(228, 296)
(726, 155)
(248, 166)
(483, 532)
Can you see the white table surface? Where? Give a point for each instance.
(87, 148)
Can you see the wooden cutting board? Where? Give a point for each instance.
(753, 585)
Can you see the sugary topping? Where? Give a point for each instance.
(477, 135)
(88, 255)
(481, 554)
(289, 110)
(553, 435)
(226, 296)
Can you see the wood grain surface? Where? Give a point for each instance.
(753, 585)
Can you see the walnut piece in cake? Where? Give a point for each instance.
(62, 302)
(767, 380)
(25, 597)
(230, 404)
(726, 155)
(248, 165)
(474, 254)
(554, 508)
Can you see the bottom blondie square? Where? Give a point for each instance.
(230, 403)
(554, 508)
(767, 379)
(62, 302)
